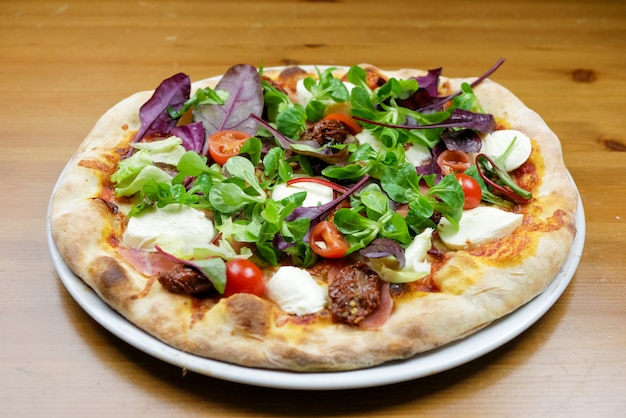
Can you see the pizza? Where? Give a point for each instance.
(313, 218)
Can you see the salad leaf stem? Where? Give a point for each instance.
(509, 188)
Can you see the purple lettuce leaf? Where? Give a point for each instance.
(243, 84)
(482, 122)
(384, 247)
(464, 140)
(192, 136)
(426, 94)
(172, 92)
(432, 167)
(430, 82)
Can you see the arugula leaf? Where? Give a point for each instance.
(358, 230)
(301, 254)
(314, 110)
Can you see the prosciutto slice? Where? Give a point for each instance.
(146, 262)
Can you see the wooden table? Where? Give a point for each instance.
(63, 63)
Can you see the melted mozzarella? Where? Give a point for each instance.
(177, 229)
(316, 194)
(480, 225)
(497, 142)
(417, 154)
(366, 137)
(295, 291)
(415, 253)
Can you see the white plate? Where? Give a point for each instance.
(432, 362)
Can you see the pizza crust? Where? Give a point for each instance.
(247, 330)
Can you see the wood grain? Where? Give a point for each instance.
(63, 63)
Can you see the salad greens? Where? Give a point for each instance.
(175, 168)
(324, 89)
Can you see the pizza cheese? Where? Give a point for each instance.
(314, 218)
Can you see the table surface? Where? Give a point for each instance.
(63, 63)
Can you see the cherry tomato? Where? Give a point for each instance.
(225, 144)
(243, 276)
(346, 120)
(326, 241)
(471, 189)
(456, 161)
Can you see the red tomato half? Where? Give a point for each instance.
(326, 241)
(456, 161)
(471, 189)
(243, 276)
(225, 144)
(346, 120)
